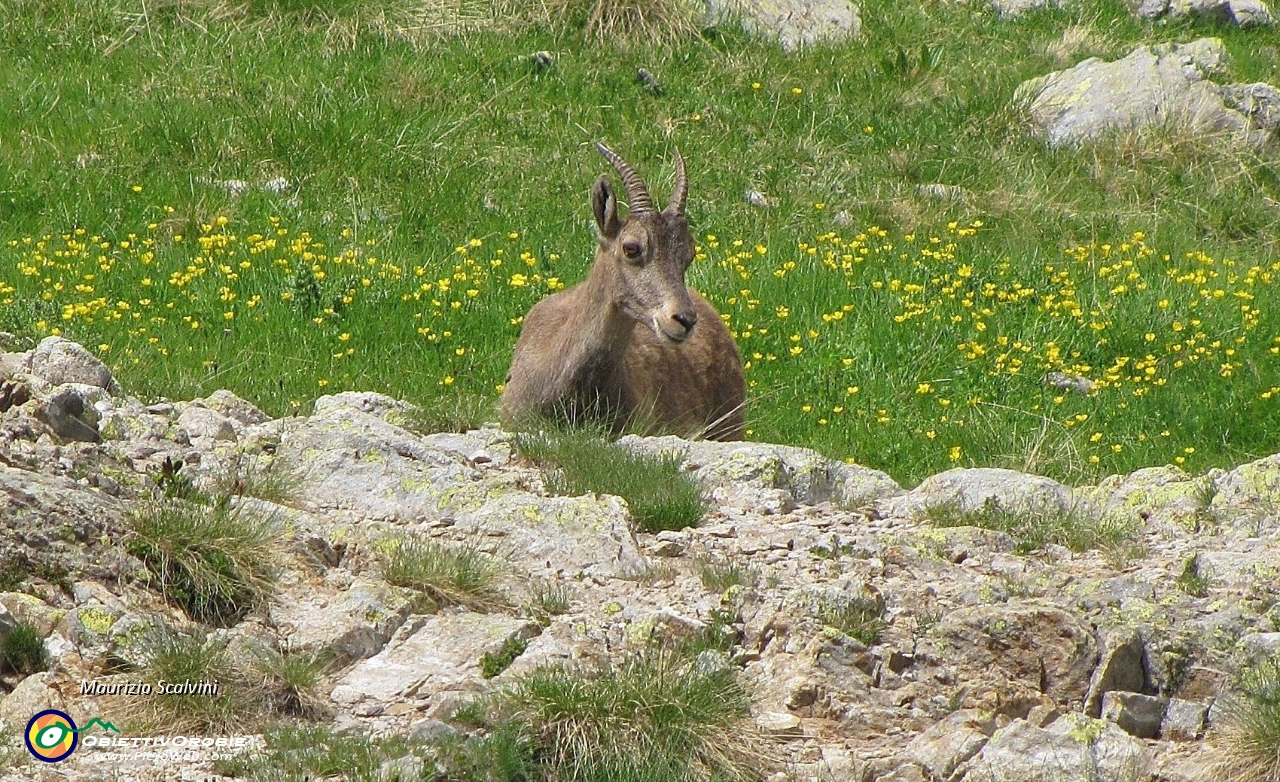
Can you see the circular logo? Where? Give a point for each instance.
(51, 736)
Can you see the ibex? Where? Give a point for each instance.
(632, 346)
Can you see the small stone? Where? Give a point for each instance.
(758, 199)
(1136, 714)
(1183, 720)
(779, 724)
(666, 548)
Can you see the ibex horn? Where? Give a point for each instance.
(682, 187)
(638, 200)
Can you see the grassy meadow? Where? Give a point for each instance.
(298, 197)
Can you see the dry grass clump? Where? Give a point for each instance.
(625, 22)
(1251, 727)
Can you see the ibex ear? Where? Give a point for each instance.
(605, 206)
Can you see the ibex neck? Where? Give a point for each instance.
(603, 329)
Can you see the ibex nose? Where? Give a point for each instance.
(686, 319)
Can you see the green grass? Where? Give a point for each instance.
(22, 650)
(860, 618)
(176, 656)
(494, 663)
(656, 716)
(1032, 529)
(1251, 729)
(216, 562)
(256, 685)
(301, 752)
(660, 495)
(1194, 580)
(414, 180)
(719, 576)
(448, 574)
(550, 598)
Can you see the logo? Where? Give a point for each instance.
(52, 735)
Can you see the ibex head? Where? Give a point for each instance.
(648, 252)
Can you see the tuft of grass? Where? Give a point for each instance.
(492, 664)
(1033, 529)
(656, 715)
(178, 656)
(17, 568)
(275, 481)
(631, 23)
(859, 617)
(717, 577)
(217, 563)
(22, 650)
(290, 682)
(1193, 580)
(300, 753)
(1251, 727)
(506, 752)
(460, 413)
(551, 598)
(659, 494)
(448, 574)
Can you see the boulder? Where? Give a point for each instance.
(1160, 85)
(428, 658)
(1135, 714)
(1240, 12)
(794, 23)
(56, 361)
(1070, 750)
(807, 477)
(970, 490)
(1013, 654)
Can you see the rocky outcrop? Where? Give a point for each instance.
(1166, 85)
(795, 23)
(1241, 12)
(972, 662)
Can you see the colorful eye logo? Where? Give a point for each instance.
(51, 736)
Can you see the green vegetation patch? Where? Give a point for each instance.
(655, 716)
(447, 573)
(22, 650)
(660, 495)
(1251, 726)
(216, 562)
(1032, 529)
(301, 752)
(247, 686)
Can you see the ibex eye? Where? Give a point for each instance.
(631, 249)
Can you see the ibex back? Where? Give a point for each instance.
(632, 346)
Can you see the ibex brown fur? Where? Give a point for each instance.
(632, 346)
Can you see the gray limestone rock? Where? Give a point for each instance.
(1161, 85)
(1121, 668)
(56, 361)
(1241, 12)
(428, 658)
(795, 23)
(1070, 750)
(1016, 653)
(806, 476)
(68, 410)
(968, 490)
(351, 625)
(1135, 714)
(951, 741)
(1183, 720)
